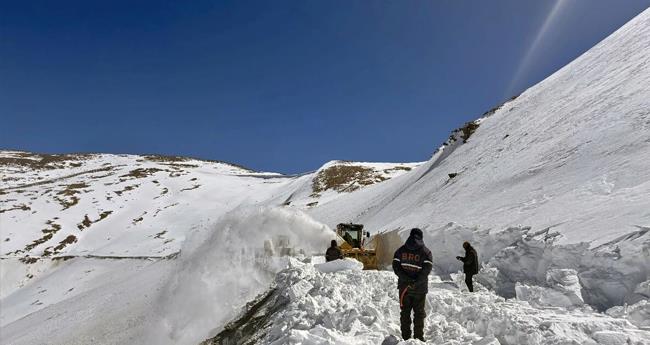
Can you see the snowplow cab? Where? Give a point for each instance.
(354, 241)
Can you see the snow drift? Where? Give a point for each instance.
(307, 306)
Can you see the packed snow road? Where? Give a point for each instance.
(315, 304)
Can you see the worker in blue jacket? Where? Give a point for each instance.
(412, 264)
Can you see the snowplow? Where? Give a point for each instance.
(355, 243)
(374, 252)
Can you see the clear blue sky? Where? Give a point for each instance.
(276, 85)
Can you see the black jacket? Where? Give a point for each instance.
(333, 253)
(470, 261)
(412, 264)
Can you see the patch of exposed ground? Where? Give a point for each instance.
(469, 128)
(164, 208)
(67, 203)
(97, 177)
(86, 222)
(67, 197)
(29, 260)
(126, 189)
(139, 219)
(70, 239)
(165, 159)
(180, 166)
(72, 189)
(21, 207)
(177, 173)
(139, 173)
(179, 161)
(48, 233)
(163, 192)
(40, 161)
(255, 317)
(397, 168)
(493, 110)
(344, 178)
(190, 188)
(465, 132)
(40, 183)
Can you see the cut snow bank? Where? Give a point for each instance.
(353, 307)
(219, 270)
(609, 275)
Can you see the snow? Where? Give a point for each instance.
(564, 290)
(228, 267)
(339, 265)
(638, 313)
(361, 307)
(551, 189)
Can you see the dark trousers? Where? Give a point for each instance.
(412, 302)
(468, 281)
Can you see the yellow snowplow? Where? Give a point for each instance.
(355, 243)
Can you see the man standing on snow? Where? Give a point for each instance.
(412, 264)
(470, 264)
(333, 252)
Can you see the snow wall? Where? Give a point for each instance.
(226, 265)
(609, 275)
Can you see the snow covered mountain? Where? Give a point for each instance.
(552, 187)
(112, 205)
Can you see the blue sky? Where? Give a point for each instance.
(276, 85)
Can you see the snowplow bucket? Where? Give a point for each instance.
(367, 257)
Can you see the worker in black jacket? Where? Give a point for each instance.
(412, 264)
(470, 264)
(333, 252)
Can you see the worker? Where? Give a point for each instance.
(412, 264)
(470, 264)
(333, 252)
(349, 239)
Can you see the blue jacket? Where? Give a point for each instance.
(412, 264)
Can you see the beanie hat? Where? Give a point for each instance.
(416, 233)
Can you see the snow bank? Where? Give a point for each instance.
(608, 275)
(339, 265)
(446, 243)
(221, 269)
(362, 308)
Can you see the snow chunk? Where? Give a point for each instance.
(340, 265)
(299, 289)
(610, 338)
(563, 290)
(643, 289)
(638, 314)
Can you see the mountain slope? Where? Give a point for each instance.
(558, 177)
(563, 152)
(110, 205)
